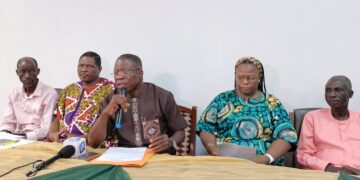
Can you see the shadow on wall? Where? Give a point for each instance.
(272, 80)
(168, 82)
(276, 86)
(107, 68)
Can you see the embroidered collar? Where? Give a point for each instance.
(259, 99)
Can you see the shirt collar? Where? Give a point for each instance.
(37, 92)
(259, 99)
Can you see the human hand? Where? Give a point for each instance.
(350, 170)
(160, 143)
(115, 102)
(262, 159)
(212, 149)
(55, 136)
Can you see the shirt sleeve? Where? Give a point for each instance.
(283, 127)
(49, 103)
(307, 148)
(208, 119)
(9, 121)
(111, 120)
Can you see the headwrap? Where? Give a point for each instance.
(250, 60)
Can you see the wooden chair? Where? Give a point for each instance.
(188, 146)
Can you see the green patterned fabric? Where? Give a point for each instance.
(256, 123)
(92, 171)
(343, 176)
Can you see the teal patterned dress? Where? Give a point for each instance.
(256, 123)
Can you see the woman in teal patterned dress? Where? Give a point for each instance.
(248, 116)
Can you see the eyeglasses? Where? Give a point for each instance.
(250, 79)
(124, 71)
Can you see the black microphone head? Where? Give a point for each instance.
(121, 91)
(67, 151)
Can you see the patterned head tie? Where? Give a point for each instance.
(250, 60)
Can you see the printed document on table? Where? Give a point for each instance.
(10, 140)
(234, 150)
(120, 154)
(129, 157)
(5, 135)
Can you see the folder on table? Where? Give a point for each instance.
(131, 157)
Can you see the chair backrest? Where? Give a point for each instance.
(298, 119)
(188, 146)
(58, 90)
(299, 116)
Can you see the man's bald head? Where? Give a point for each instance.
(345, 80)
(29, 59)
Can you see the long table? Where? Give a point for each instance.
(161, 166)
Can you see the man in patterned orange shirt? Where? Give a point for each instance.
(78, 104)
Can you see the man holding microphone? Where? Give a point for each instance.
(150, 114)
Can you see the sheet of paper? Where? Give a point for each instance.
(14, 143)
(5, 135)
(11, 140)
(120, 154)
(234, 150)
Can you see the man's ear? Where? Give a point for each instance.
(351, 93)
(100, 68)
(141, 74)
(17, 72)
(38, 71)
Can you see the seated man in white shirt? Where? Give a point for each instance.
(30, 107)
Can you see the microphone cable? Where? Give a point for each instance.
(33, 163)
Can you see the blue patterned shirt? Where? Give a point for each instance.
(256, 123)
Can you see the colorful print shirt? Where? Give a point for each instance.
(78, 108)
(256, 123)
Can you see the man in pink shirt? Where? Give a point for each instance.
(329, 139)
(30, 107)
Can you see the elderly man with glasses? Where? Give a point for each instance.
(151, 118)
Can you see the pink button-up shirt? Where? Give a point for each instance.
(325, 140)
(30, 115)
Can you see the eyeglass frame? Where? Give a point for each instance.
(125, 72)
(250, 79)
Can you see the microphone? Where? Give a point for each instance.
(78, 143)
(65, 152)
(119, 114)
